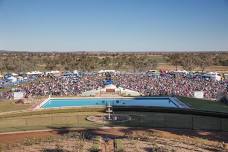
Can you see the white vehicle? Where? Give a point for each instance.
(153, 73)
(11, 79)
(213, 76)
(55, 73)
(181, 72)
(34, 73)
(75, 72)
(109, 71)
(103, 72)
(226, 76)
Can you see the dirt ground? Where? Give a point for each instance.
(134, 140)
(17, 137)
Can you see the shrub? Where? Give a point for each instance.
(96, 144)
(78, 145)
(49, 139)
(59, 148)
(75, 135)
(86, 135)
(95, 148)
(118, 145)
(156, 148)
(31, 141)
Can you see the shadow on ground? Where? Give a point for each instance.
(125, 132)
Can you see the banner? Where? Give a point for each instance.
(199, 94)
(18, 95)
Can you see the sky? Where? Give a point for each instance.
(114, 25)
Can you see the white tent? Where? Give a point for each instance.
(14, 74)
(12, 79)
(53, 72)
(75, 71)
(34, 73)
(110, 71)
(181, 71)
(18, 95)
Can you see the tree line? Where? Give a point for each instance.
(190, 61)
(27, 61)
(23, 62)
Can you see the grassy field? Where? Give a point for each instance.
(51, 111)
(68, 118)
(204, 104)
(6, 106)
(47, 121)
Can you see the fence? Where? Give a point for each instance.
(172, 120)
(138, 119)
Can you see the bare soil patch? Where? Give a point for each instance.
(133, 140)
(17, 137)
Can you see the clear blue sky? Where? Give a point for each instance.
(114, 25)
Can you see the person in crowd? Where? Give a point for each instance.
(166, 84)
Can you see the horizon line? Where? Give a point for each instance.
(111, 51)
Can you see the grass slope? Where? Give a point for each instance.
(206, 105)
(6, 106)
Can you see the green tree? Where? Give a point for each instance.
(188, 62)
(175, 59)
(203, 61)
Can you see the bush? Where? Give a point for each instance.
(75, 135)
(86, 135)
(57, 149)
(31, 141)
(156, 148)
(78, 145)
(118, 145)
(95, 148)
(96, 144)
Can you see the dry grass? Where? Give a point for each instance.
(49, 144)
(136, 141)
(6, 106)
(146, 141)
(165, 66)
(47, 121)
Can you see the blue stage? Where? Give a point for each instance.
(107, 82)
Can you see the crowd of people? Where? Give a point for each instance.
(170, 85)
(166, 84)
(60, 86)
